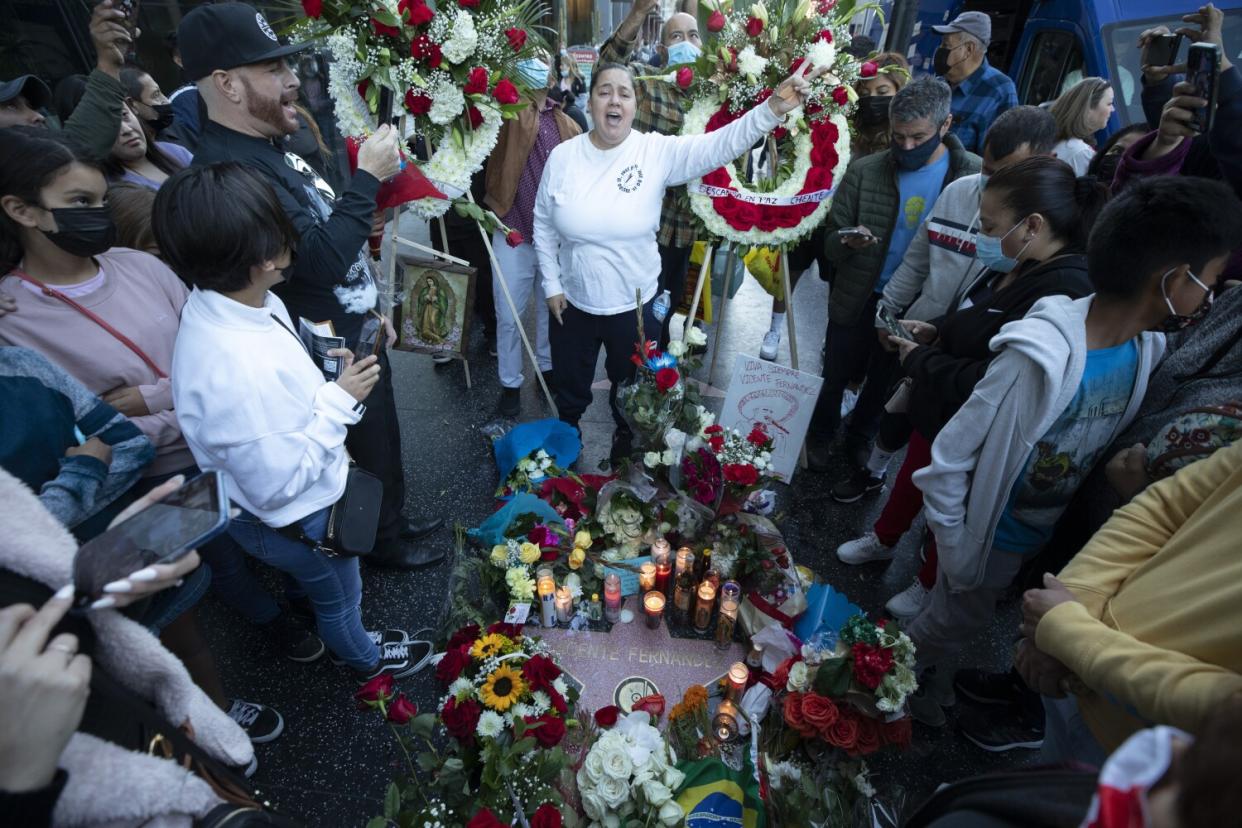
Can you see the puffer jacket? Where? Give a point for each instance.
(868, 195)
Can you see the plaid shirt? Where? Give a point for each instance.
(977, 101)
(659, 110)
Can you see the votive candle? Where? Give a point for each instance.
(647, 577)
(546, 586)
(738, 676)
(661, 556)
(730, 598)
(724, 723)
(703, 608)
(685, 559)
(612, 598)
(653, 608)
(564, 605)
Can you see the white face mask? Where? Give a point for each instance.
(534, 73)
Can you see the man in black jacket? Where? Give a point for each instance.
(239, 67)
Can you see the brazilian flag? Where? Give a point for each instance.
(715, 796)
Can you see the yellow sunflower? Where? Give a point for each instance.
(503, 688)
(489, 645)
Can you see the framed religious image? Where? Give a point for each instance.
(433, 307)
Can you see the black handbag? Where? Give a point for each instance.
(353, 520)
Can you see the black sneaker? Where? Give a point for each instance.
(989, 688)
(510, 402)
(261, 723)
(998, 728)
(294, 640)
(398, 661)
(381, 639)
(858, 485)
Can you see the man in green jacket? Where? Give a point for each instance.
(96, 120)
(876, 211)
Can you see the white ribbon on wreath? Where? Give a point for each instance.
(784, 194)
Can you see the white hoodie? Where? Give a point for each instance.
(253, 406)
(981, 451)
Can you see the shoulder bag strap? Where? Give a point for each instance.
(94, 317)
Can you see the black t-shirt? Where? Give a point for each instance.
(332, 278)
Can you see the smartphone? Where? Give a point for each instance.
(130, 10)
(159, 534)
(1203, 73)
(1162, 50)
(858, 232)
(889, 323)
(384, 109)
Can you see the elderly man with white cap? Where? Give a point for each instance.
(980, 91)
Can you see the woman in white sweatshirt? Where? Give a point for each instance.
(596, 217)
(254, 406)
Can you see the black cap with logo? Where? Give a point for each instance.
(225, 36)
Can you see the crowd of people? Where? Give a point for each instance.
(1067, 390)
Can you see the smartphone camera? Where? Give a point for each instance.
(1203, 73)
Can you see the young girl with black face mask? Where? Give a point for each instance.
(875, 94)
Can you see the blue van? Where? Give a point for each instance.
(1047, 46)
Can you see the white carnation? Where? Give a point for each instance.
(821, 53)
(463, 40)
(491, 724)
(461, 688)
(447, 101)
(749, 63)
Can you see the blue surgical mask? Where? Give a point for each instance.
(983, 181)
(683, 52)
(988, 252)
(534, 73)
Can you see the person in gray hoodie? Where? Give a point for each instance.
(1067, 380)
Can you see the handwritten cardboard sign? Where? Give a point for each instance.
(776, 397)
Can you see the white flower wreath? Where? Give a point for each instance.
(696, 124)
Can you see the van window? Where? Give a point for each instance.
(1055, 55)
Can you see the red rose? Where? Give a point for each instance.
(747, 215)
(460, 720)
(507, 630)
(516, 38)
(793, 711)
(822, 7)
(868, 69)
(685, 77)
(758, 436)
(826, 35)
(843, 733)
(468, 4)
(779, 133)
(666, 378)
(313, 8)
(434, 56)
(820, 713)
(454, 661)
(716, 22)
(743, 474)
(763, 95)
(417, 103)
(476, 82)
(550, 731)
(475, 116)
(505, 92)
(607, 716)
(897, 733)
(796, 65)
(840, 96)
(513, 238)
(484, 818)
(558, 701)
(362, 87)
(383, 29)
(717, 178)
(466, 635)
(539, 672)
(870, 664)
(754, 26)
(653, 704)
(869, 738)
(419, 12)
(715, 428)
(421, 48)
(401, 710)
(546, 816)
(380, 687)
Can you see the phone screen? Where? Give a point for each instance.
(1162, 50)
(890, 324)
(1203, 73)
(161, 533)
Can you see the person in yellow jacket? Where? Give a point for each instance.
(1143, 626)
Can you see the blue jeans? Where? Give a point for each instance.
(333, 585)
(167, 606)
(225, 562)
(1066, 735)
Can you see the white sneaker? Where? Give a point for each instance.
(849, 399)
(864, 550)
(909, 602)
(771, 345)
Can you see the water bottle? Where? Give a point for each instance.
(660, 308)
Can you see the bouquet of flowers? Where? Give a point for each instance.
(455, 68)
(656, 399)
(530, 473)
(874, 661)
(625, 516)
(629, 776)
(718, 467)
(689, 725)
(818, 795)
(507, 708)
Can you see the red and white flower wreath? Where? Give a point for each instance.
(731, 210)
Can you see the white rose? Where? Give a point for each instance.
(593, 767)
(651, 459)
(797, 677)
(614, 791)
(593, 804)
(671, 813)
(677, 348)
(669, 457)
(657, 793)
(612, 821)
(644, 775)
(673, 778)
(617, 764)
(696, 336)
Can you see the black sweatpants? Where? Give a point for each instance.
(575, 350)
(374, 442)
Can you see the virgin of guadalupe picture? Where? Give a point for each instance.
(433, 307)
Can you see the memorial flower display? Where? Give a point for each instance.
(629, 775)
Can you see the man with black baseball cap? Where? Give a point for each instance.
(20, 102)
(238, 64)
(980, 91)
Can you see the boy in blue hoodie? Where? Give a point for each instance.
(1066, 380)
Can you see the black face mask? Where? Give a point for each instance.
(940, 61)
(912, 159)
(163, 117)
(873, 111)
(82, 231)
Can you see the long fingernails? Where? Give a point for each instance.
(119, 586)
(104, 603)
(64, 592)
(144, 575)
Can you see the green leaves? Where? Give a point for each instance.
(833, 677)
(392, 801)
(423, 725)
